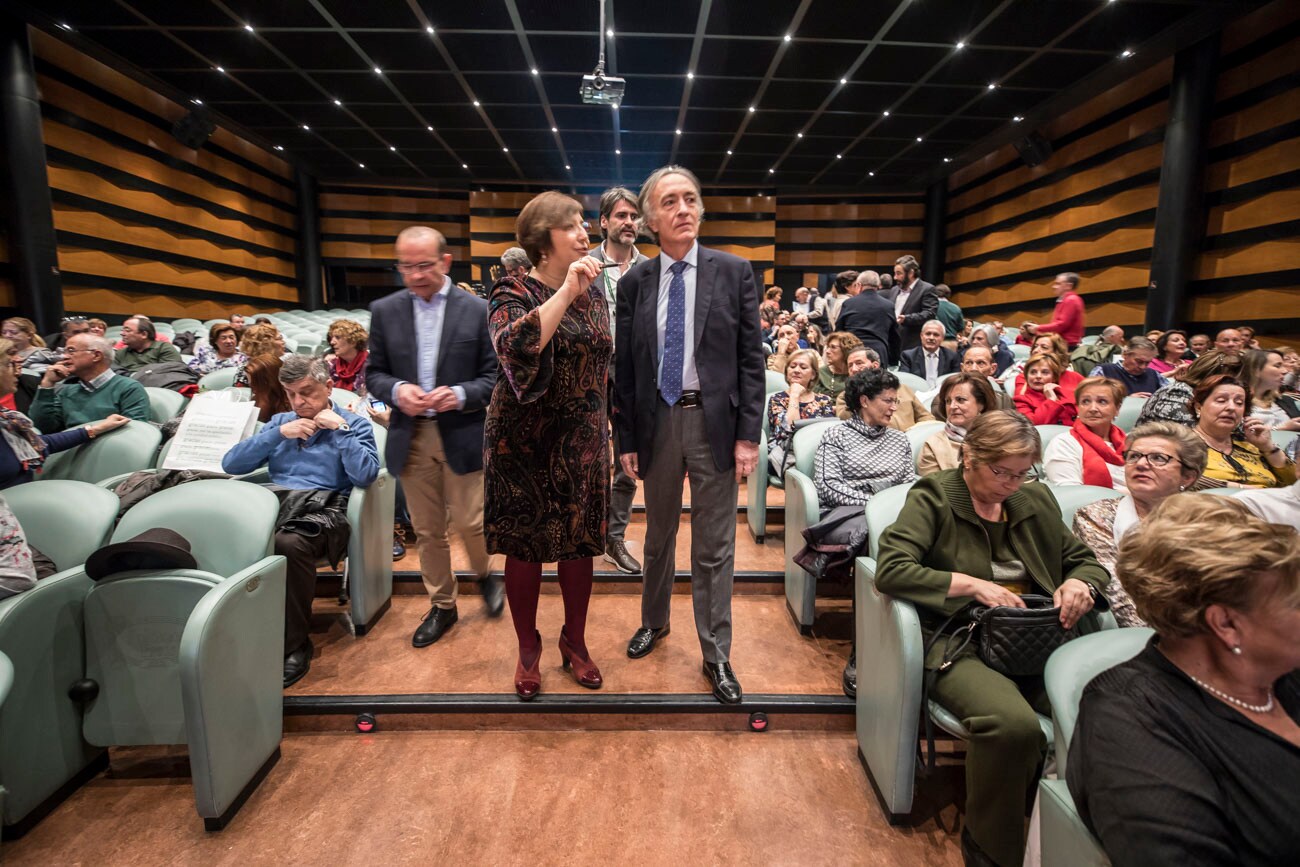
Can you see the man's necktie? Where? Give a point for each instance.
(670, 384)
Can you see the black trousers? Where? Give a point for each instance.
(303, 553)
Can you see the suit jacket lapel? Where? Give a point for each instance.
(409, 353)
(705, 280)
(447, 325)
(648, 308)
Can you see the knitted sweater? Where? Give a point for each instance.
(70, 404)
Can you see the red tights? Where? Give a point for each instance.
(524, 585)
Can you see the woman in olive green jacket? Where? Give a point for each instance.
(975, 534)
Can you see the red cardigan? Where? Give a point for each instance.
(1067, 319)
(1043, 411)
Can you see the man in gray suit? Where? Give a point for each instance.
(689, 392)
(915, 302)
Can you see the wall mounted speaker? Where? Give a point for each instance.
(193, 129)
(1034, 149)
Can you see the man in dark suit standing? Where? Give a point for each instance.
(915, 301)
(931, 359)
(689, 390)
(432, 359)
(870, 318)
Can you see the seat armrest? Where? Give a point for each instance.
(801, 511)
(1063, 838)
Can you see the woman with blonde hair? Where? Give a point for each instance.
(797, 403)
(1092, 453)
(22, 333)
(348, 354)
(1040, 395)
(262, 338)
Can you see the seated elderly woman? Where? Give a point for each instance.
(348, 354)
(910, 410)
(834, 372)
(1242, 453)
(864, 455)
(974, 534)
(963, 396)
(1174, 401)
(1093, 452)
(1045, 344)
(988, 337)
(1041, 397)
(1189, 753)
(797, 403)
(1161, 458)
(220, 352)
(262, 338)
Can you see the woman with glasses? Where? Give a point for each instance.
(1161, 458)
(1242, 453)
(1092, 453)
(546, 464)
(977, 534)
(864, 455)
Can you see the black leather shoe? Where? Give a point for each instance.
(616, 553)
(971, 853)
(726, 688)
(399, 542)
(494, 594)
(435, 625)
(297, 664)
(850, 680)
(643, 641)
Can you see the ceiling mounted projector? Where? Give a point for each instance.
(599, 88)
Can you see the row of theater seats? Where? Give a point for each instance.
(303, 331)
(188, 657)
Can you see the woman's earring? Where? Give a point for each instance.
(1236, 650)
(1182, 488)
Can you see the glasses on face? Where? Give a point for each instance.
(1008, 476)
(69, 350)
(415, 268)
(1155, 459)
(889, 401)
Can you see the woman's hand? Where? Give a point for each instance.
(1051, 391)
(984, 592)
(796, 390)
(1074, 598)
(580, 275)
(1258, 434)
(113, 422)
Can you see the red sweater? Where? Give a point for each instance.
(1067, 320)
(1043, 411)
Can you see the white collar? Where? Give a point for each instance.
(691, 257)
(1126, 518)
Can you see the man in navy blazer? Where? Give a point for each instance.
(915, 301)
(688, 391)
(432, 359)
(931, 359)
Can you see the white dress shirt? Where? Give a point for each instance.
(931, 367)
(904, 292)
(690, 376)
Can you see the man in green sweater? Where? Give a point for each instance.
(97, 393)
(143, 346)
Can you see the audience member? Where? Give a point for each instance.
(1275, 505)
(1242, 454)
(979, 361)
(237, 322)
(1189, 752)
(69, 325)
(142, 346)
(1171, 352)
(835, 371)
(17, 569)
(809, 305)
(931, 359)
(1086, 356)
(974, 534)
(870, 317)
(915, 302)
(1133, 372)
(1160, 459)
(318, 452)
(220, 352)
(1041, 397)
(348, 355)
(1069, 317)
(773, 293)
(799, 402)
(839, 294)
(950, 315)
(261, 338)
(1093, 452)
(22, 334)
(263, 372)
(1264, 370)
(1199, 344)
(96, 393)
(1174, 401)
(516, 263)
(98, 327)
(987, 336)
(1230, 342)
(963, 396)
(787, 342)
(1248, 340)
(910, 411)
(1291, 361)
(1049, 344)
(864, 455)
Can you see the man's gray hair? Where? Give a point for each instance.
(1110, 329)
(98, 343)
(515, 257)
(927, 323)
(869, 280)
(872, 355)
(296, 368)
(646, 206)
(1136, 344)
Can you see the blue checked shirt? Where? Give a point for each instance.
(428, 339)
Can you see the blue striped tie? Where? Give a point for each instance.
(670, 378)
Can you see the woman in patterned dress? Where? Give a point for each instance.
(546, 442)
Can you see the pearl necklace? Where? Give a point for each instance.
(1253, 708)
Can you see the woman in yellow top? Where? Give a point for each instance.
(1245, 458)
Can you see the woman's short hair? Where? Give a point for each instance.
(979, 389)
(1210, 363)
(259, 339)
(1114, 387)
(349, 330)
(1053, 363)
(1195, 551)
(1001, 434)
(990, 334)
(772, 293)
(1203, 391)
(220, 328)
(546, 211)
(1191, 449)
(1059, 347)
(814, 361)
(867, 383)
(28, 327)
(93, 323)
(1163, 341)
(847, 340)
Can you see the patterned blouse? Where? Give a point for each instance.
(1094, 525)
(1171, 403)
(856, 461)
(206, 360)
(821, 406)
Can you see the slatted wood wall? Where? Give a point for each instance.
(1248, 270)
(738, 224)
(146, 224)
(827, 234)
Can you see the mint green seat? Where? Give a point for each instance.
(1020, 352)
(218, 379)
(346, 399)
(1066, 841)
(42, 633)
(165, 404)
(1072, 498)
(6, 684)
(195, 656)
(775, 381)
(918, 433)
(1129, 410)
(191, 325)
(802, 510)
(912, 381)
(134, 446)
(757, 482)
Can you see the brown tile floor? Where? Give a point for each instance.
(502, 798)
(479, 653)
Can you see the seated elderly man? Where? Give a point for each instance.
(92, 391)
(316, 454)
(909, 411)
(142, 346)
(979, 360)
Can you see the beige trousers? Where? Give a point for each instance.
(433, 495)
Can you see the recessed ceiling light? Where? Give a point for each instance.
(248, 27)
(476, 103)
(871, 174)
(197, 101)
(947, 159)
(886, 112)
(392, 148)
(278, 147)
(844, 81)
(220, 69)
(771, 171)
(336, 102)
(505, 150)
(617, 151)
(839, 156)
(1126, 53)
(1017, 119)
(534, 71)
(67, 27)
(992, 86)
(752, 109)
(464, 165)
(567, 168)
(786, 38)
(961, 45)
(690, 75)
(679, 132)
(610, 32)
(429, 128)
(429, 30)
(728, 153)
(918, 138)
(362, 165)
(304, 126)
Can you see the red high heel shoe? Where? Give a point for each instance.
(585, 671)
(528, 681)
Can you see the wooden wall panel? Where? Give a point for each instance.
(145, 224)
(830, 234)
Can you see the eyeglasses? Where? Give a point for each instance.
(892, 401)
(68, 350)
(1155, 459)
(1000, 474)
(416, 268)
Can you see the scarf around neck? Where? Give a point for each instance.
(955, 433)
(1097, 453)
(871, 432)
(345, 373)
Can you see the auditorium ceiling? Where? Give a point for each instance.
(805, 94)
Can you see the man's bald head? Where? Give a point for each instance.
(978, 359)
(422, 235)
(1230, 340)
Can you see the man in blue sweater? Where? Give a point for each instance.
(319, 447)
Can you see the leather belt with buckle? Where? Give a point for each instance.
(689, 400)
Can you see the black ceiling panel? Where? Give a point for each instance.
(904, 63)
(82, 15)
(1032, 23)
(196, 13)
(1125, 26)
(734, 57)
(316, 50)
(233, 49)
(978, 66)
(723, 93)
(159, 51)
(397, 51)
(1059, 70)
(427, 88)
(576, 54)
(942, 22)
(824, 60)
(482, 15)
(750, 17)
(653, 18)
(651, 54)
(845, 20)
(487, 52)
(382, 13)
(642, 91)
